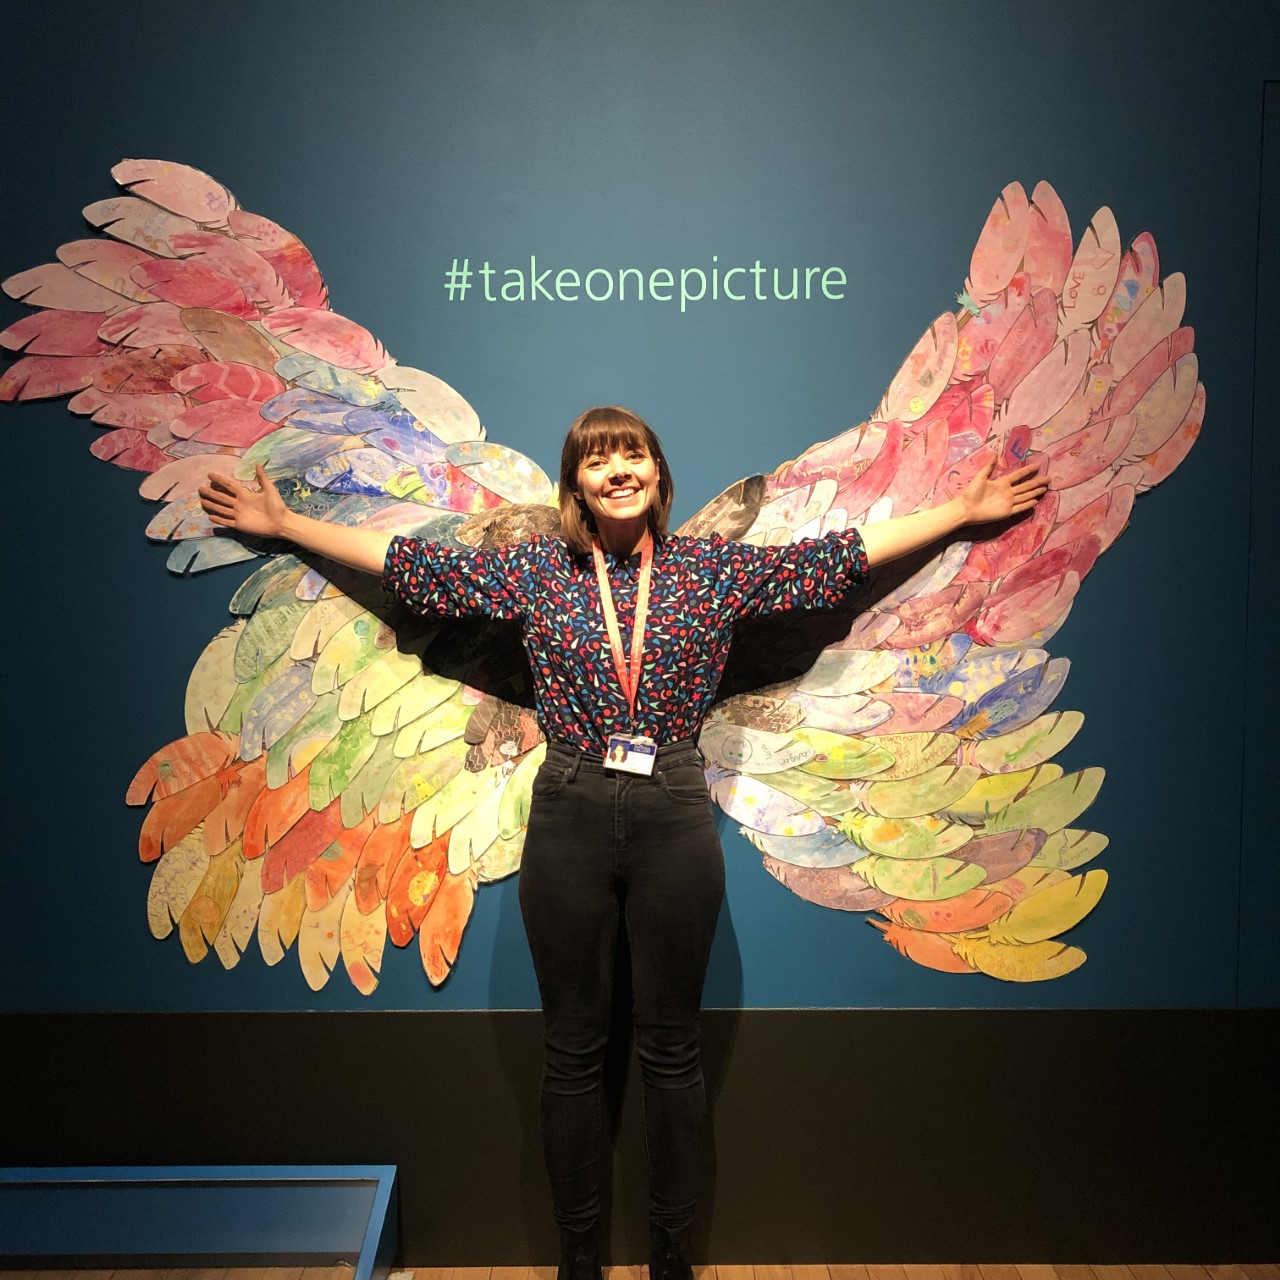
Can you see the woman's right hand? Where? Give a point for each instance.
(232, 505)
(262, 513)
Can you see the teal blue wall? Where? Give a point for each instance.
(392, 137)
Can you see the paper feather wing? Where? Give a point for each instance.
(350, 773)
(908, 770)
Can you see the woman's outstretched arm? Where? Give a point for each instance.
(984, 501)
(262, 513)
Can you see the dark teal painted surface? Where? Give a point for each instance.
(189, 1213)
(393, 138)
(1259, 959)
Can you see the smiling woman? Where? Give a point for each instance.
(614, 481)
(627, 630)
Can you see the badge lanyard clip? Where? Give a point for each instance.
(628, 675)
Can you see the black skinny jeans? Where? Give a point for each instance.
(603, 847)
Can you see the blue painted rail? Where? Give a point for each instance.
(200, 1215)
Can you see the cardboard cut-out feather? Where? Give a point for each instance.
(351, 775)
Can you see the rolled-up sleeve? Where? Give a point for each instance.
(433, 578)
(815, 573)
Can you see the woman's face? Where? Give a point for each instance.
(618, 484)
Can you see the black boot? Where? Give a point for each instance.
(668, 1254)
(579, 1254)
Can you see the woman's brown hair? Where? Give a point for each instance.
(601, 430)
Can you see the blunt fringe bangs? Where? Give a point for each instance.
(603, 429)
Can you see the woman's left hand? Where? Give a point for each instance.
(988, 500)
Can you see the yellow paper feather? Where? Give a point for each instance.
(241, 920)
(477, 829)
(928, 792)
(999, 790)
(280, 917)
(1070, 848)
(914, 753)
(326, 619)
(377, 682)
(174, 882)
(1019, 962)
(1049, 912)
(319, 937)
(1052, 807)
(363, 939)
(413, 700)
(203, 918)
(353, 647)
(211, 683)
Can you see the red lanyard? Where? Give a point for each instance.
(628, 677)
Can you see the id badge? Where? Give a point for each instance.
(631, 755)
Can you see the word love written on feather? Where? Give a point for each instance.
(685, 285)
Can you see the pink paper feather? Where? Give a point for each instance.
(958, 474)
(1001, 245)
(924, 374)
(925, 619)
(1161, 411)
(178, 188)
(236, 423)
(1156, 319)
(180, 520)
(108, 263)
(968, 410)
(854, 498)
(328, 336)
(138, 222)
(56, 286)
(154, 324)
(1161, 464)
(991, 559)
(145, 370)
(1048, 386)
(1104, 518)
(287, 254)
(914, 712)
(236, 261)
(176, 478)
(225, 379)
(45, 377)
(919, 465)
(834, 459)
(1082, 456)
(128, 447)
(1027, 343)
(1139, 275)
(1048, 240)
(1013, 619)
(1142, 377)
(56, 333)
(120, 409)
(1091, 279)
(978, 338)
(1076, 558)
(189, 283)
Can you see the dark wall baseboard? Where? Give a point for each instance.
(914, 1135)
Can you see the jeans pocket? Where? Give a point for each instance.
(685, 784)
(550, 780)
